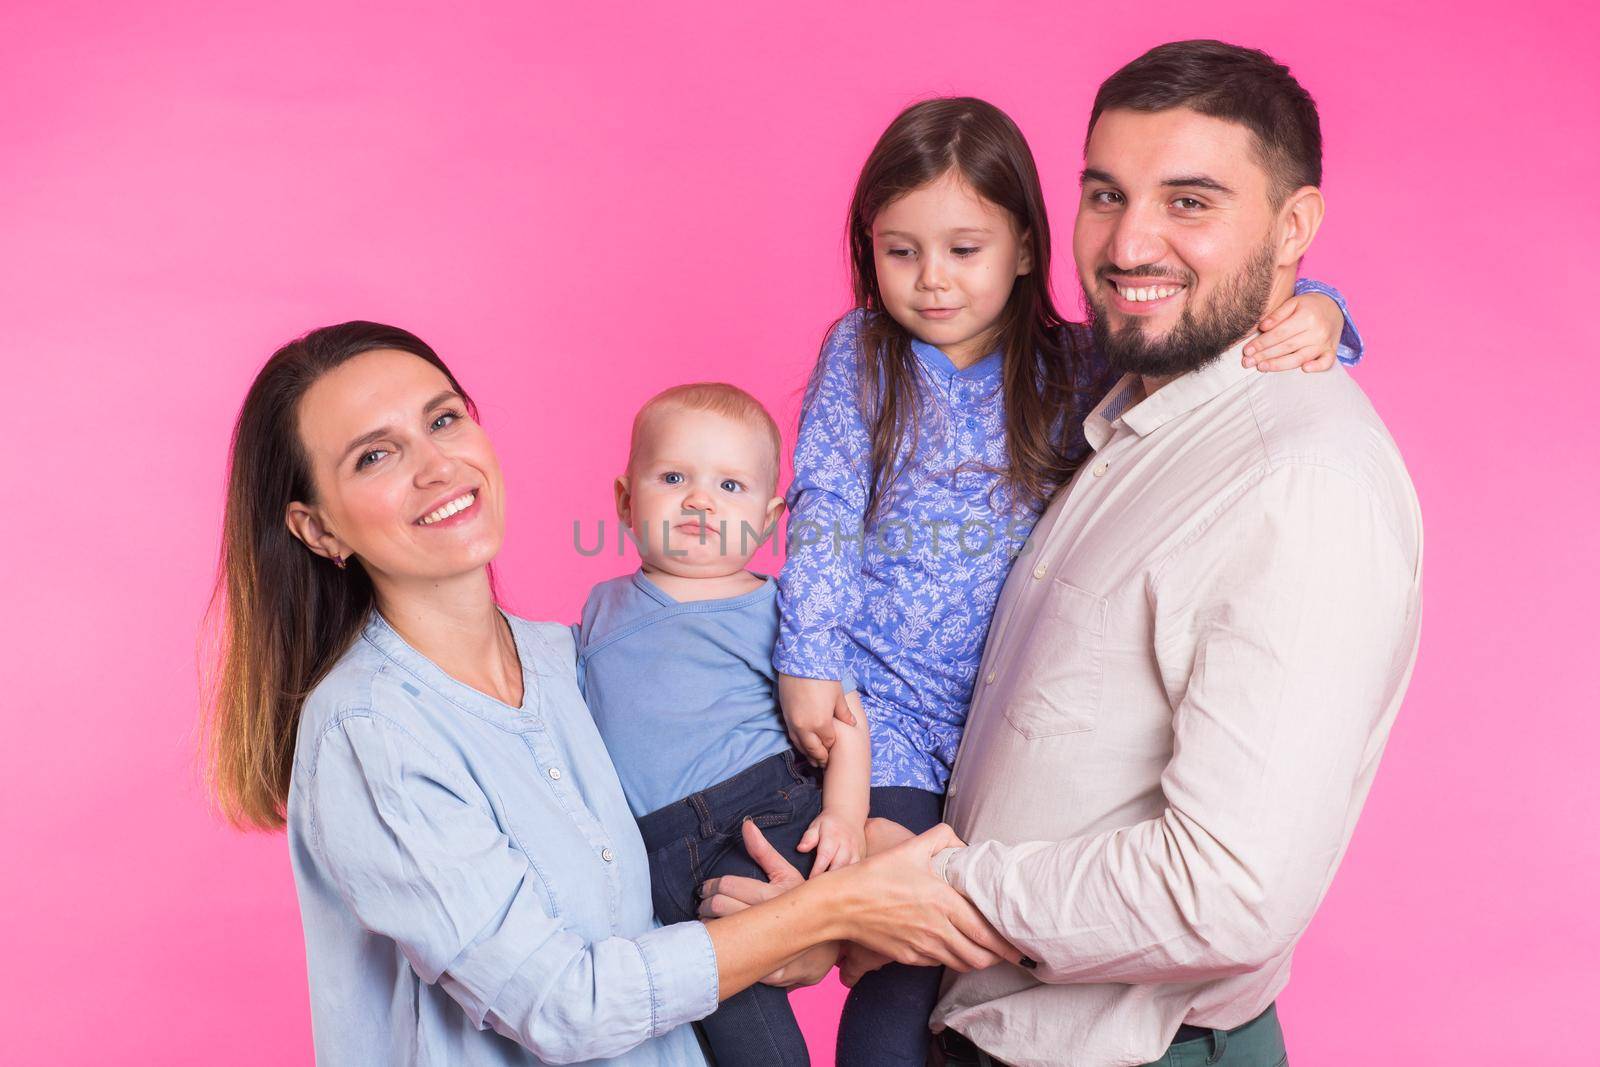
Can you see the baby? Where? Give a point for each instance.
(675, 661)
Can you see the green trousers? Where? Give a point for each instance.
(1258, 1043)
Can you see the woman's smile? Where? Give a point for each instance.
(457, 510)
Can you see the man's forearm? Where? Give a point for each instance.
(1119, 907)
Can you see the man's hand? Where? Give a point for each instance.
(808, 968)
(1303, 332)
(810, 706)
(857, 962)
(839, 842)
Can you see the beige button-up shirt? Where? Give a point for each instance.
(1189, 679)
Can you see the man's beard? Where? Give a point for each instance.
(1194, 341)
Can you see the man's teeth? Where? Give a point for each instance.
(1149, 292)
(460, 502)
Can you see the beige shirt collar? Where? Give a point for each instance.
(1178, 397)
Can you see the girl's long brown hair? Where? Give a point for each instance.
(281, 616)
(979, 142)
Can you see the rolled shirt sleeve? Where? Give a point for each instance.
(419, 859)
(1298, 605)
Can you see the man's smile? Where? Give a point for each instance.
(1142, 296)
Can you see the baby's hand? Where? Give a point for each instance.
(1303, 332)
(839, 842)
(809, 707)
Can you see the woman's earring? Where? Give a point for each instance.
(338, 561)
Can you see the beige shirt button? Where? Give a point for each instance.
(607, 855)
(990, 680)
(1040, 571)
(555, 774)
(1101, 469)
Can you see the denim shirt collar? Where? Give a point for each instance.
(388, 641)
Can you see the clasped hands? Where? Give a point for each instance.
(896, 908)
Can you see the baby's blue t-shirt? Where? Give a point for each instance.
(685, 694)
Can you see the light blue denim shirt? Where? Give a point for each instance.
(473, 886)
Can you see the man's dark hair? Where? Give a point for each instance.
(1242, 85)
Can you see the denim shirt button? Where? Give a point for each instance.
(607, 855)
(555, 774)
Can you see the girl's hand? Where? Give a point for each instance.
(808, 968)
(809, 707)
(1303, 332)
(839, 842)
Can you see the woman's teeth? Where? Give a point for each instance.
(463, 501)
(1149, 292)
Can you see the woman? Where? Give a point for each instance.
(464, 856)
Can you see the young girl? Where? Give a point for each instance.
(942, 414)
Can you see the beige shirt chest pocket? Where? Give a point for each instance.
(1059, 665)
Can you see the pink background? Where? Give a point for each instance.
(579, 207)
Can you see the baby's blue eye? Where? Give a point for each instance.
(672, 478)
(730, 486)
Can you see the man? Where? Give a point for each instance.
(1193, 669)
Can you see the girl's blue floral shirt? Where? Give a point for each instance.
(905, 606)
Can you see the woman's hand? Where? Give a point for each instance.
(897, 907)
(1303, 332)
(854, 961)
(809, 707)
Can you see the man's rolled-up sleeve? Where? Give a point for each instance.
(1299, 604)
(419, 859)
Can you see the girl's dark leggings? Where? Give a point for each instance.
(885, 1020)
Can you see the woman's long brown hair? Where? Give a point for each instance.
(980, 143)
(280, 615)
